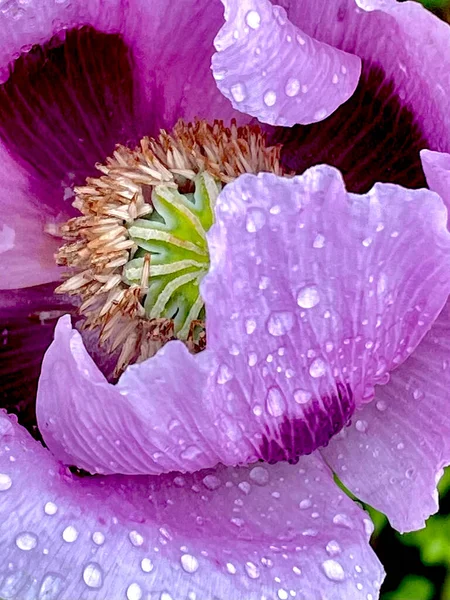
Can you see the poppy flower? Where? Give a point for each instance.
(257, 294)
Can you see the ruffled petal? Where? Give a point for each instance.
(436, 166)
(253, 532)
(272, 70)
(406, 41)
(313, 296)
(393, 454)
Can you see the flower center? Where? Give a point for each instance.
(138, 251)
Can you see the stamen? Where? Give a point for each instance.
(138, 251)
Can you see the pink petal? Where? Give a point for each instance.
(436, 166)
(407, 42)
(232, 533)
(272, 70)
(393, 454)
(313, 296)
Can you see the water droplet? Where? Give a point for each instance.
(50, 508)
(270, 98)
(93, 575)
(98, 538)
(146, 565)
(166, 596)
(297, 570)
(381, 405)
(51, 587)
(231, 568)
(317, 368)
(191, 453)
(343, 520)
(259, 475)
(26, 541)
(306, 503)
(69, 534)
(211, 482)
(238, 92)
(280, 322)
(224, 375)
(333, 570)
(136, 538)
(400, 446)
(308, 297)
(320, 114)
(319, 241)
(5, 482)
(292, 87)
(252, 570)
(245, 487)
(282, 594)
(250, 326)
(253, 19)
(302, 396)
(418, 394)
(367, 242)
(256, 220)
(189, 563)
(333, 548)
(361, 426)
(275, 402)
(335, 78)
(134, 592)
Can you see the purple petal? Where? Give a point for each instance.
(313, 296)
(408, 43)
(393, 454)
(274, 71)
(230, 533)
(436, 166)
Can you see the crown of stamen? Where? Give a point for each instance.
(138, 251)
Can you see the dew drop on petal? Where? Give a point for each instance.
(136, 538)
(51, 587)
(189, 563)
(238, 92)
(250, 326)
(98, 538)
(319, 241)
(146, 565)
(26, 541)
(5, 482)
(270, 98)
(304, 504)
(308, 297)
(211, 482)
(361, 426)
(224, 375)
(256, 220)
(280, 323)
(317, 368)
(333, 548)
(50, 508)
(253, 19)
(252, 570)
(333, 570)
(93, 575)
(275, 402)
(292, 87)
(69, 534)
(259, 475)
(302, 396)
(381, 405)
(134, 592)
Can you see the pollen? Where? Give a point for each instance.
(138, 251)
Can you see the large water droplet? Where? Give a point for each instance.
(238, 91)
(69, 534)
(333, 570)
(51, 587)
(252, 570)
(304, 504)
(224, 374)
(317, 368)
(292, 87)
(5, 482)
(308, 297)
(93, 575)
(50, 508)
(253, 19)
(26, 541)
(280, 322)
(361, 426)
(189, 563)
(275, 402)
(146, 565)
(134, 592)
(302, 396)
(259, 475)
(256, 220)
(136, 538)
(211, 482)
(98, 538)
(250, 326)
(270, 97)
